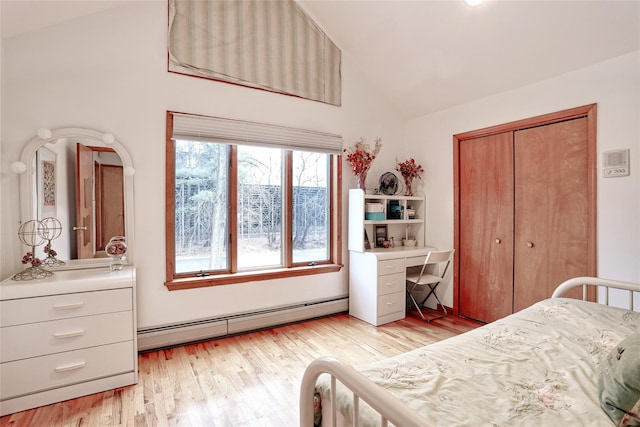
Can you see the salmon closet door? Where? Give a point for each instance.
(551, 209)
(486, 227)
(525, 216)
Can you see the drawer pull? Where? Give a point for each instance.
(71, 367)
(69, 306)
(70, 334)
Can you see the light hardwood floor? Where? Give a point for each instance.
(245, 380)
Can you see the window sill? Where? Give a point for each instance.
(250, 276)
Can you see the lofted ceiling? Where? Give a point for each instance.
(429, 55)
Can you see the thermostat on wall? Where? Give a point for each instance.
(615, 163)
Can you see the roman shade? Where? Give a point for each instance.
(221, 130)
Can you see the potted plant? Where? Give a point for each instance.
(409, 170)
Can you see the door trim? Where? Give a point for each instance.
(588, 111)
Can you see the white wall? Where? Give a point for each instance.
(615, 86)
(108, 72)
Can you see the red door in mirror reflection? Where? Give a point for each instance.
(100, 201)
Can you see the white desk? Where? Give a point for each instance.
(377, 282)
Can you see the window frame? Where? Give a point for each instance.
(177, 281)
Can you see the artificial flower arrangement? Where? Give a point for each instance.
(50, 251)
(51, 260)
(409, 170)
(28, 258)
(360, 158)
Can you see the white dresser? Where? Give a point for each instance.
(66, 336)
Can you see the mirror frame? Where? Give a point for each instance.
(27, 174)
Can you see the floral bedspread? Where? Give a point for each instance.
(537, 367)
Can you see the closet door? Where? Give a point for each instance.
(550, 163)
(486, 227)
(551, 208)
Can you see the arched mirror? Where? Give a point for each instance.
(84, 179)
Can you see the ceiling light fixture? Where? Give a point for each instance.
(473, 2)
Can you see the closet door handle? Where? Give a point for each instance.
(529, 244)
(498, 241)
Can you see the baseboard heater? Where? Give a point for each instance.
(199, 330)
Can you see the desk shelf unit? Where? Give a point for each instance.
(377, 275)
(403, 227)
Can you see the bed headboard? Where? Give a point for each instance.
(609, 292)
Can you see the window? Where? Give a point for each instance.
(248, 201)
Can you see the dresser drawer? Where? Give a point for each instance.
(64, 335)
(390, 283)
(391, 303)
(390, 266)
(57, 370)
(40, 309)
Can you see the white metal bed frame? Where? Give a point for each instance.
(391, 409)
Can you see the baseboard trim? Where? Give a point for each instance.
(204, 329)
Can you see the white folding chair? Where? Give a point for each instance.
(416, 283)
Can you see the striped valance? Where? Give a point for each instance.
(271, 45)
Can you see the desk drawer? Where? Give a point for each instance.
(39, 339)
(390, 266)
(57, 370)
(415, 261)
(390, 283)
(41, 309)
(391, 303)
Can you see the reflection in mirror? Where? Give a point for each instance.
(82, 186)
(84, 179)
